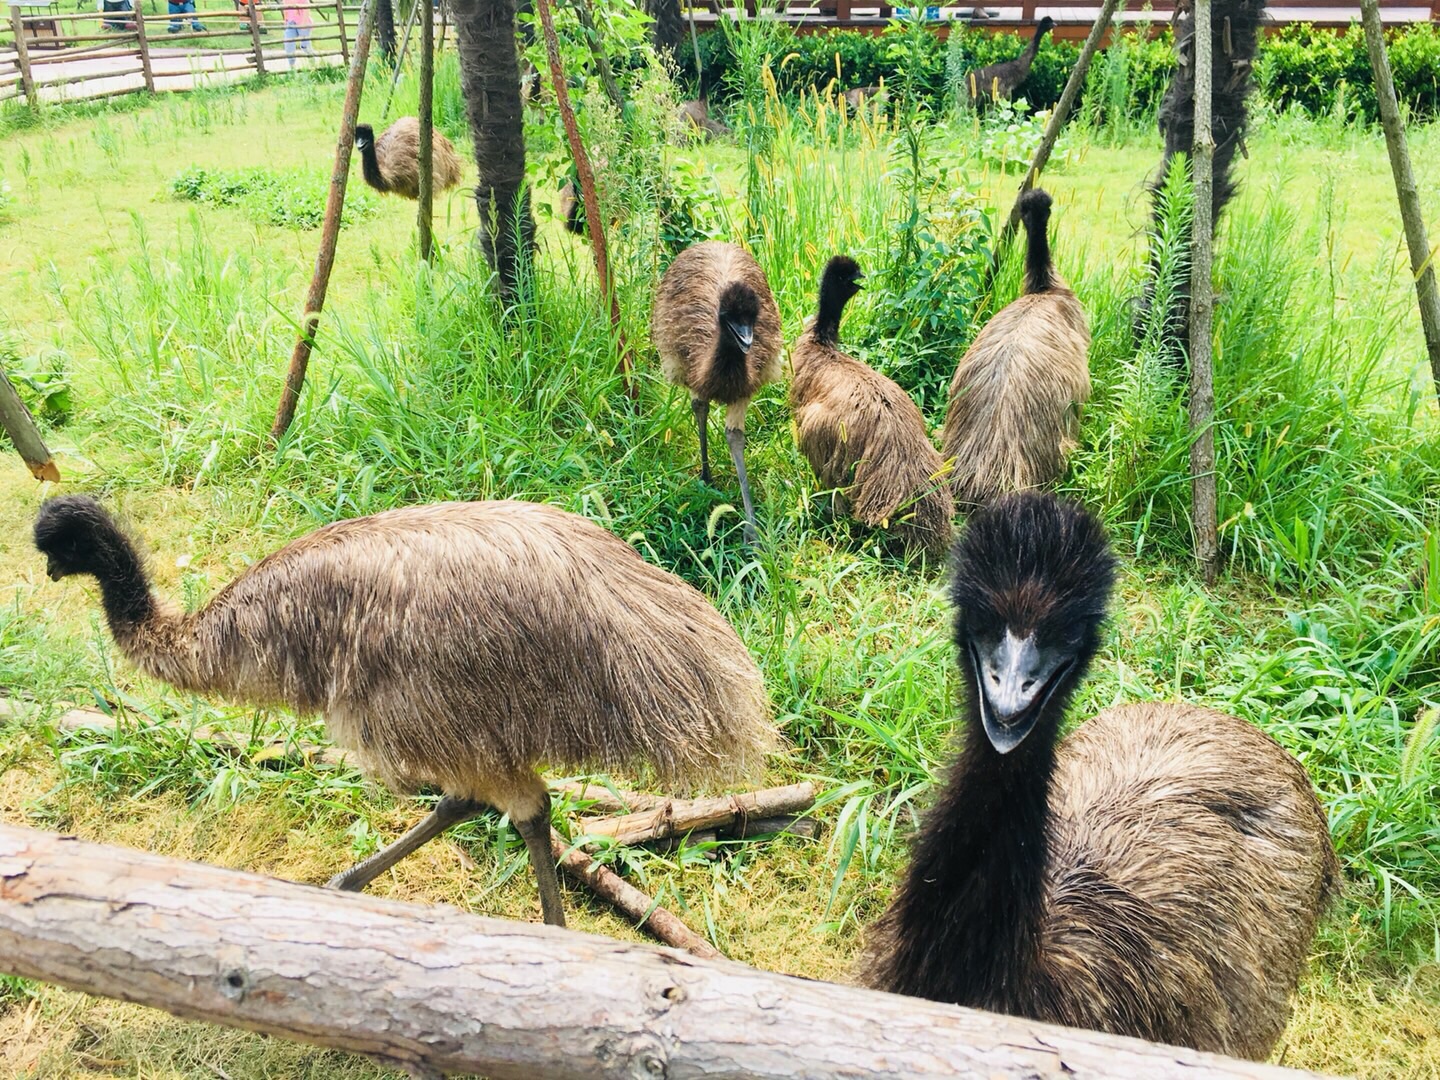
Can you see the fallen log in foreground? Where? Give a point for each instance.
(433, 990)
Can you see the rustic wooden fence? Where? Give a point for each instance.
(47, 55)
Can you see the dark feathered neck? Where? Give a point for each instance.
(124, 585)
(1034, 46)
(968, 914)
(832, 308)
(370, 165)
(1039, 269)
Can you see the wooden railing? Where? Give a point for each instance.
(50, 56)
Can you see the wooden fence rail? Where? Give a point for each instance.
(434, 990)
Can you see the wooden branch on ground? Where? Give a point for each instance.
(593, 223)
(628, 900)
(330, 228)
(676, 817)
(1051, 133)
(434, 990)
(15, 418)
(1202, 303)
(1422, 258)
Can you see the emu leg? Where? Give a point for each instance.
(448, 811)
(701, 409)
(535, 831)
(735, 439)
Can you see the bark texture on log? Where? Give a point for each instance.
(1202, 302)
(436, 990)
(15, 418)
(1422, 259)
(676, 817)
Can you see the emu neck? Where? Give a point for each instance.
(827, 322)
(1039, 271)
(1034, 46)
(975, 893)
(371, 166)
(729, 357)
(124, 587)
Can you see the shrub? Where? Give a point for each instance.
(294, 200)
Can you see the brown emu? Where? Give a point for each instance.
(861, 432)
(695, 119)
(1159, 873)
(391, 163)
(717, 330)
(857, 98)
(998, 82)
(455, 644)
(1014, 408)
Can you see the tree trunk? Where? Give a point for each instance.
(385, 30)
(1422, 262)
(1202, 384)
(668, 29)
(434, 990)
(17, 422)
(490, 80)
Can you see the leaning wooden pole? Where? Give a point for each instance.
(400, 60)
(1202, 305)
(425, 213)
(330, 230)
(593, 223)
(15, 418)
(1052, 132)
(434, 990)
(1422, 257)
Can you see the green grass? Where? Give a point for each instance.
(172, 322)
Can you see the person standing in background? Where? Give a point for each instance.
(298, 21)
(180, 8)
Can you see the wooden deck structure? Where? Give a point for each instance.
(1073, 18)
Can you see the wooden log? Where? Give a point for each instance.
(628, 900)
(85, 52)
(15, 418)
(434, 990)
(253, 18)
(606, 801)
(330, 228)
(1202, 303)
(1422, 257)
(340, 23)
(22, 57)
(676, 817)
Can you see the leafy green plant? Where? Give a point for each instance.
(295, 200)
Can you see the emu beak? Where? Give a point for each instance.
(1015, 680)
(52, 570)
(743, 333)
(858, 280)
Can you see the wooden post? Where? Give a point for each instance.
(252, 15)
(1052, 132)
(15, 418)
(593, 224)
(142, 41)
(330, 229)
(433, 990)
(597, 52)
(1202, 302)
(340, 22)
(424, 215)
(400, 60)
(1422, 258)
(22, 54)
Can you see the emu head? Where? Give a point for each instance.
(364, 136)
(77, 536)
(1030, 580)
(739, 309)
(1047, 23)
(842, 278)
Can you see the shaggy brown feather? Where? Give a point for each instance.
(695, 119)
(862, 433)
(1014, 410)
(391, 163)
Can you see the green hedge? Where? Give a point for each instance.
(1297, 65)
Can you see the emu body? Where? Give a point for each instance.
(862, 433)
(1159, 873)
(998, 82)
(391, 163)
(716, 327)
(456, 644)
(1013, 414)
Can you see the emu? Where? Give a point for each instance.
(862, 432)
(1014, 410)
(998, 82)
(391, 163)
(454, 644)
(717, 330)
(695, 120)
(1159, 873)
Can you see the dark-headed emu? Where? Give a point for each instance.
(1014, 408)
(861, 432)
(455, 644)
(391, 163)
(998, 82)
(717, 330)
(1159, 873)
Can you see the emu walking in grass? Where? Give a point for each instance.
(1014, 409)
(456, 644)
(1158, 873)
(717, 329)
(391, 163)
(998, 82)
(861, 432)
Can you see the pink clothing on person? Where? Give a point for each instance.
(298, 16)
